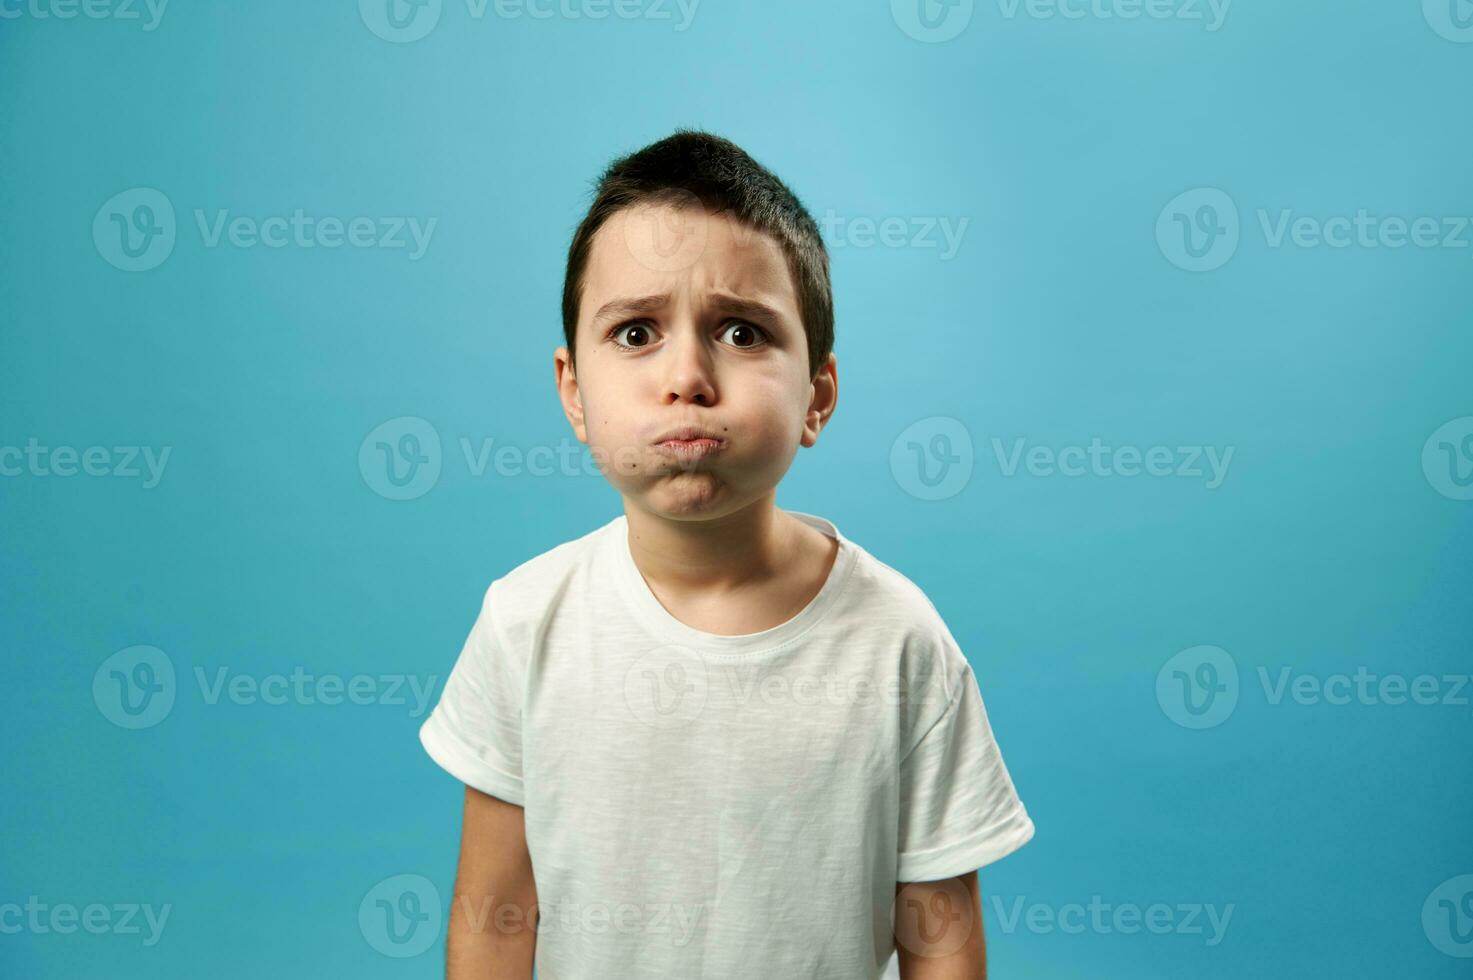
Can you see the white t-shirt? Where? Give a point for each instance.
(705, 806)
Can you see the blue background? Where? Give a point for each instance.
(1062, 317)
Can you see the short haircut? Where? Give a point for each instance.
(724, 178)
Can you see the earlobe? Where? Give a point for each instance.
(573, 409)
(812, 428)
(568, 394)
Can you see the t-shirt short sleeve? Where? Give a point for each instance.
(958, 808)
(475, 731)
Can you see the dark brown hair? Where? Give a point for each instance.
(724, 178)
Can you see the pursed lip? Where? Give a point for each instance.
(688, 434)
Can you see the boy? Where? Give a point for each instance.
(712, 738)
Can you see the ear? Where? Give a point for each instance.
(568, 393)
(822, 400)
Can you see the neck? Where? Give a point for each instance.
(721, 553)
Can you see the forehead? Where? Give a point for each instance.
(649, 249)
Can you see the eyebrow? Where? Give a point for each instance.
(724, 302)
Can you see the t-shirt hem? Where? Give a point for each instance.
(979, 850)
(460, 761)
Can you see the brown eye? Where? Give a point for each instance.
(746, 335)
(639, 335)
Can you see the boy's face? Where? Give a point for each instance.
(707, 314)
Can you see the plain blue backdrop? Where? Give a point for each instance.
(1174, 231)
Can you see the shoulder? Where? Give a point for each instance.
(516, 602)
(927, 659)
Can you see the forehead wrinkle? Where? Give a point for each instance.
(747, 265)
(621, 306)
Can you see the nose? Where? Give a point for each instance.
(691, 376)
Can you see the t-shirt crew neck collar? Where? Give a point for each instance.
(658, 620)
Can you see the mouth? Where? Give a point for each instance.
(689, 442)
